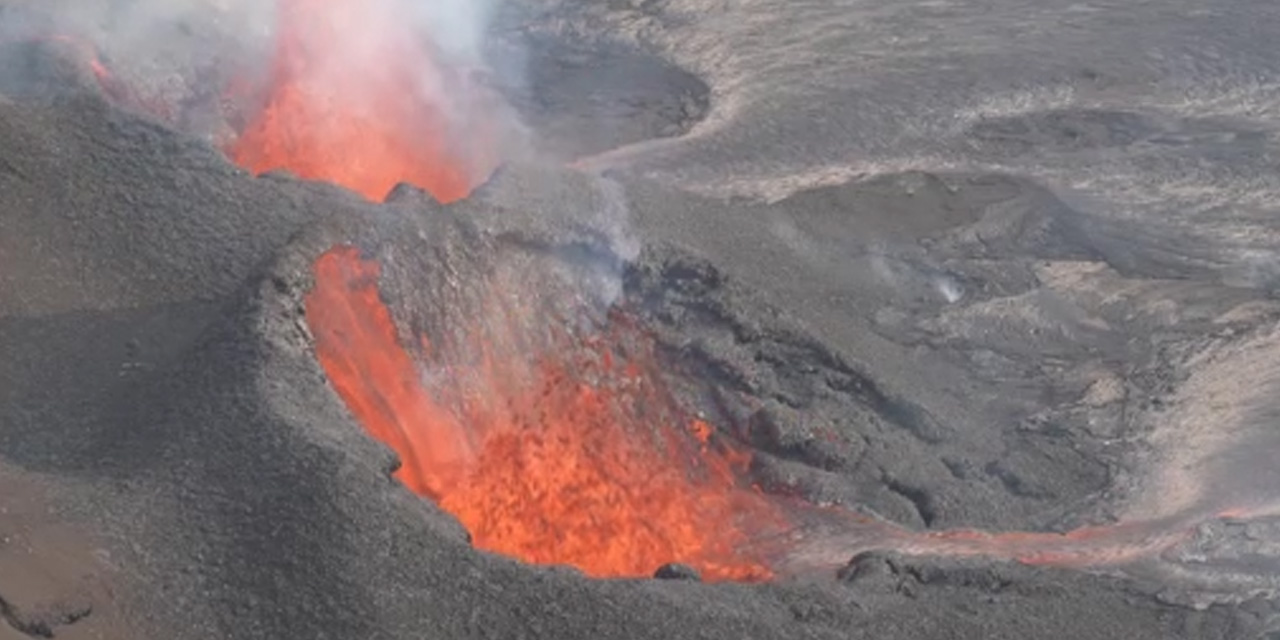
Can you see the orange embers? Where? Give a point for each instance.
(572, 454)
(353, 98)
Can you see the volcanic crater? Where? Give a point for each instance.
(545, 421)
(571, 406)
(298, 408)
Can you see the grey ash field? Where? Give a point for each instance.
(1019, 256)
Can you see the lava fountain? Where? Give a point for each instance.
(356, 96)
(572, 452)
(351, 93)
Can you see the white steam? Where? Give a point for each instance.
(179, 52)
(457, 27)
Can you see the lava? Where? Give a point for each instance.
(575, 454)
(354, 97)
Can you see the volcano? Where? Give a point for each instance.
(639, 321)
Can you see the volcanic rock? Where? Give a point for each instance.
(946, 307)
(677, 572)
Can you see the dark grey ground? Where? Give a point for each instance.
(1018, 258)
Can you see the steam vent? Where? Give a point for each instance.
(639, 320)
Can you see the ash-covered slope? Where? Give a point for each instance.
(159, 389)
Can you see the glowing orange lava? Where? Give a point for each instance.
(353, 98)
(577, 455)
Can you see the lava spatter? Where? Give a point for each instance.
(572, 454)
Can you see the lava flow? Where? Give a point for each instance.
(572, 455)
(354, 97)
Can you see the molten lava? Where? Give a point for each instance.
(572, 455)
(354, 97)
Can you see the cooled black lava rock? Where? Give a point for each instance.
(675, 571)
(811, 439)
(871, 567)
